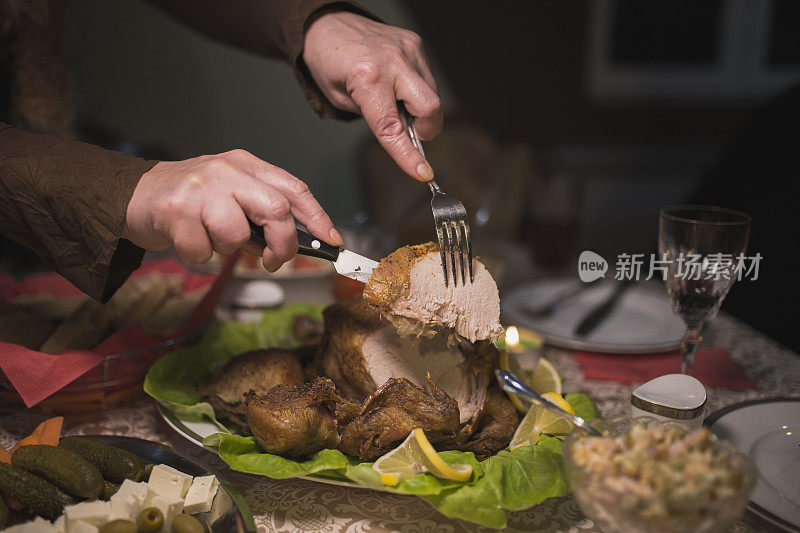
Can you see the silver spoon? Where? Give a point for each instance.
(513, 385)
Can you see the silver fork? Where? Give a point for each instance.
(449, 217)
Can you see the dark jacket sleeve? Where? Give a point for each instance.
(273, 28)
(66, 201)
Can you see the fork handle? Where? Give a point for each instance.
(308, 244)
(408, 123)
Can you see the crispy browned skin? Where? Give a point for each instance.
(392, 412)
(294, 421)
(259, 370)
(496, 426)
(347, 324)
(390, 280)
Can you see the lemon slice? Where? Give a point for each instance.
(544, 378)
(541, 420)
(416, 455)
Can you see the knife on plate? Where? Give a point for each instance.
(603, 310)
(346, 263)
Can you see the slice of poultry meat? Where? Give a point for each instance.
(294, 421)
(393, 411)
(409, 289)
(361, 352)
(259, 370)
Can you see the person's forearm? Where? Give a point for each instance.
(66, 201)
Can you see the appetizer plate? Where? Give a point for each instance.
(229, 512)
(195, 431)
(769, 431)
(641, 322)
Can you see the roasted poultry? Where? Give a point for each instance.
(259, 371)
(371, 383)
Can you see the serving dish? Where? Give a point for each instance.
(229, 512)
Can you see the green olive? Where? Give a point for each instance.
(119, 526)
(186, 523)
(150, 520)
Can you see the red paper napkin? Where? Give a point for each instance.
(36, 375)
(714, 367)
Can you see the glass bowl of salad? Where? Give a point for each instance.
(644, 475)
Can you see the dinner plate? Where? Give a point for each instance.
(196, 430)
(641, 322)
(768, 431)
(229, 512)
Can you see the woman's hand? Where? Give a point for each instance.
(365, 67)
(200, 205)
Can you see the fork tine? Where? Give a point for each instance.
(442, 245)
(461, 251)
(469, 250)
(452, 255)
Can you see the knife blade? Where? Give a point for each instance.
(346, 263)
(601, 312)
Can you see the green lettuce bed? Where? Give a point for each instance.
(510, 480)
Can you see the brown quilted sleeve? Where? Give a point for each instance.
(66, 201)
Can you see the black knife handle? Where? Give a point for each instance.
(309, 245)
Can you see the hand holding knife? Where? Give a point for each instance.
(345, 262)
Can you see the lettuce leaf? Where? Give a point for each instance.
(173, 379)
(583, 405)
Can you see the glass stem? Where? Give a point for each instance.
(689, 343)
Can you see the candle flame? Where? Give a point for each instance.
(512, 337)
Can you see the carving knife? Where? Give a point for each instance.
(346, 263)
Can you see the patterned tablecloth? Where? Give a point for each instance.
(300, 505)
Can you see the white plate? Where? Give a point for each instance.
(195, 431)
(641, 322)
(746, 425)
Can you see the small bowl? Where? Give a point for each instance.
(617, 510)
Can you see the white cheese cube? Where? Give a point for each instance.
(201, 494)
(166, 481)
(130, 488)
(170, 507)
(125, 508)
(94, 513)
(83, 527)
(60, 524)
(38, 525)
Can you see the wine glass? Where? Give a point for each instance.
(702, 249)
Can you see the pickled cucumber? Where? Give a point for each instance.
(63, 468)
(115, 464)
(44, 498)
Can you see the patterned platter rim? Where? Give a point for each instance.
(177, 424)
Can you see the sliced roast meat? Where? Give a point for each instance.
(394, 411)
(496, 426)
(408, 287)
(361, 352)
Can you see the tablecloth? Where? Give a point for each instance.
(301, 505)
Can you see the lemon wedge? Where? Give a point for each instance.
(416, 455)
(544, 378)
(541, 420)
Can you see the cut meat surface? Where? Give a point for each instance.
(362, 352)
(394, 411)
(408, 288)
